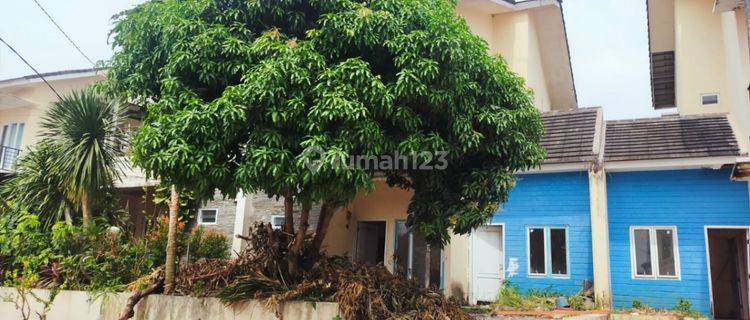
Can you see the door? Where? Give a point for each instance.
(729, 275)
(370, 247)
(487, 262)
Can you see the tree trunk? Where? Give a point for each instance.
(326, 214)
(427, 262)
(289, 213)
(85, 208)
(169, 271)
(295, 250)
(68, 217)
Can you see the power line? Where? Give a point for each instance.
(63, 32)
(30, 66)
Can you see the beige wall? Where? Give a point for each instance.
(661, 25)
(712, 57)
(36, 99)
(514, 35)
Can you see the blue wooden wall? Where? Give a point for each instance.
(687, 199)
(559, 199)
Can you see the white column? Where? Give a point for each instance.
(242, 221)
(600, 236)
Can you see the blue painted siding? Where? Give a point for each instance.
(687, 199)
(560, 199)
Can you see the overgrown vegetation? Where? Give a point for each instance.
(682, 309)
(510, 297)
(96, 257)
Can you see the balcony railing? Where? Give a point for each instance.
(8, 158)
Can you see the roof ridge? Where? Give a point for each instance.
(670, 118)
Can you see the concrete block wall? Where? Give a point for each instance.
(82, 305)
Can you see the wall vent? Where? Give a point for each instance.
(709, 99)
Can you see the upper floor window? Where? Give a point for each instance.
(12, 135)
(654, 252)
(548, 251)
(208, 216)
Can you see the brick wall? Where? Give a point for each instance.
(262, 210)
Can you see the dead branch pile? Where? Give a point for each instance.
(362, 292)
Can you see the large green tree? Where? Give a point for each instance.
(238, 93)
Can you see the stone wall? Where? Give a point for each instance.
(81, 305)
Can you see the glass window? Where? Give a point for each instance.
(277, 221)
(655, 252)
(401, 255)
(558, 251)
(536, 251)
(642, 242)
(665, 247)
(411, 256)
(208, 216)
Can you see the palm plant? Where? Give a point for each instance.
(85, 134)
(36, 188)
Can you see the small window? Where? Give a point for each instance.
(277, 221)
(208, 216)
(654, 252)
(548, 251)
(709, 99)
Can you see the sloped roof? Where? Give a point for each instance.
(670, 137)
(570, 136)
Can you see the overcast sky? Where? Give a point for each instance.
(608, 44)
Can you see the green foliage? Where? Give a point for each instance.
(84, 131)
(511, 298)
(207, 245)
(80, 151)
(95, 258)
(36, 187)
(638, 305)
(685, 308)
(238, 93)
(577, 302)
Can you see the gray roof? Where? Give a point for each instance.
(53, 74)
(670, 137)
(570, 135)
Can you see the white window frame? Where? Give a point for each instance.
(548, 252)
(654, 253)
(273, 217)
(200, 216)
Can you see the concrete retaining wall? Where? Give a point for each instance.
(82, 305)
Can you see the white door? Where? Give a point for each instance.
(487, 262)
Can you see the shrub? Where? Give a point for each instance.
(577, 302)
(207, 244)
(685, 308)
(510, 298)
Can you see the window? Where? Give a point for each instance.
(12, 135)
(410, 257)
(208, 216)
(654, 252)
(548, 251)
(708, 99)
(277, 221)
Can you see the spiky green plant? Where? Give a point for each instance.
(35, 187)
(84, 130)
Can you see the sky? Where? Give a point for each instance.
(607, 39)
